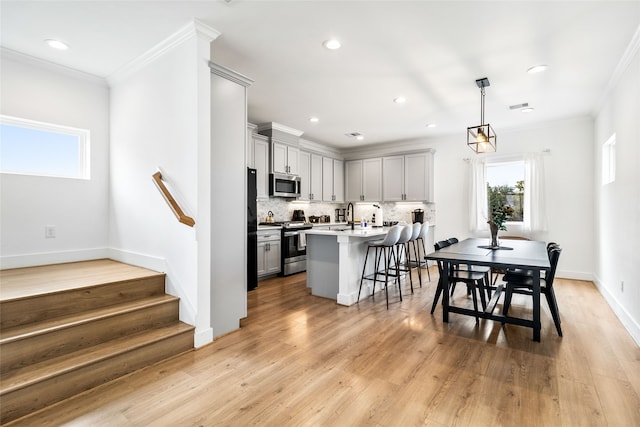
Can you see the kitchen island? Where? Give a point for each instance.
(335, 259)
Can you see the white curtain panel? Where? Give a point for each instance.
(535, 218)
(478, 203)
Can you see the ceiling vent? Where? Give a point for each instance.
(518, 106)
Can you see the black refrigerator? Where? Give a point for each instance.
(252, 229)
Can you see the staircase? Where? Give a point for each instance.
(67, 328)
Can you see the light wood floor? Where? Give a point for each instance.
(300, 360)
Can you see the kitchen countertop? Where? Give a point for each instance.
(348, 232)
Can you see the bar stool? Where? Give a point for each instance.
(382, 247)
(401, 246)
(423, 238)
(413, 242)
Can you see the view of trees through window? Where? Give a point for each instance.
(505, 187)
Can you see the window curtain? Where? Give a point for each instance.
(478, 203)
(535, 217)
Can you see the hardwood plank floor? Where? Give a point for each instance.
(300, 360)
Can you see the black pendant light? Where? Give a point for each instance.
(482, 138)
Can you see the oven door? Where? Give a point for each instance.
(291, 245)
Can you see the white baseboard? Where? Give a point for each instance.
(574, 275)
(630, 324)
(138, 259)
(46, 258)
(202, 337)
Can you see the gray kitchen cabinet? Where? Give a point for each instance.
(261, 164)
(269, 249)
(363, 180)
(332, 180)
(310, 171)
(407, 177)
(284, 158)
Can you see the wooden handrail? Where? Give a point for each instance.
(157, 179)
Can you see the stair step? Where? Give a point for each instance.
(18, 307)
(29, 388)
(30, 343)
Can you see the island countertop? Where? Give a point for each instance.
(346, 231)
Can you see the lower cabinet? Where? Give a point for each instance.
(269, 249)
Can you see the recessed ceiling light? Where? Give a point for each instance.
(360, 137)
(314, 120)
(400, 100)
(56, 44)
(332, 44)
(527, 110)
(537, 68)
(431, 125)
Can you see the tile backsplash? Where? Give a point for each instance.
(283, 210)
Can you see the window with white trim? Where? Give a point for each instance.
(505, 187)
(28, 147)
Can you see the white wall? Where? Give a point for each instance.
(568, 182)
(38, 90)
(156, 121)
(617, 204)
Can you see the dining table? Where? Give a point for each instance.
(523, 254)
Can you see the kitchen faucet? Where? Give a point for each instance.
(352, 222)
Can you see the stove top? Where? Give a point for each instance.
(289, 224)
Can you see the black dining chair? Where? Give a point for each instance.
(522, 283)
(472, 278)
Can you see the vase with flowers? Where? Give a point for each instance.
(497, 219)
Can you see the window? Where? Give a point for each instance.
(609, 160)
(517, 181)
(505, 187)
(28, 147)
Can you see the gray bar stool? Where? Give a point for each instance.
(401, 247)
(422, 238)
(382, 247)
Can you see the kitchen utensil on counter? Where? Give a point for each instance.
(325, 218)
(377, 219)
(390, 223)
(418, 215)
(269, 217)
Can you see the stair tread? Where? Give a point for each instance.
(28, 282)
(32, 329)
(32, 374)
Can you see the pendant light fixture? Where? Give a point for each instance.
(482, 138)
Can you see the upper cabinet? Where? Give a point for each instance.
(260, 149)
(332, 180)
(284, 158)
(407, 178)
(364, 180)
(310, 171)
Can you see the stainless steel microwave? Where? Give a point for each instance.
(283, 185)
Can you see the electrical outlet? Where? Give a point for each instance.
(50, 231)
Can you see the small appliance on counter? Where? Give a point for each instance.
(314, 219)
(418, 215)
(376, 219)
(298, 215)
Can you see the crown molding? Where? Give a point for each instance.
(626, 59)
(227, 73)
(23, 58)
(281, 128)
(194, 28)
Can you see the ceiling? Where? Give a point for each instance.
(429, 52)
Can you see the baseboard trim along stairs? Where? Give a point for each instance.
(60, 337)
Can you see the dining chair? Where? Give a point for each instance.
(472, 278)
(497, 271)
(523, 284)
(382, 249)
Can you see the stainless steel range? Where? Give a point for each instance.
(294, 247)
